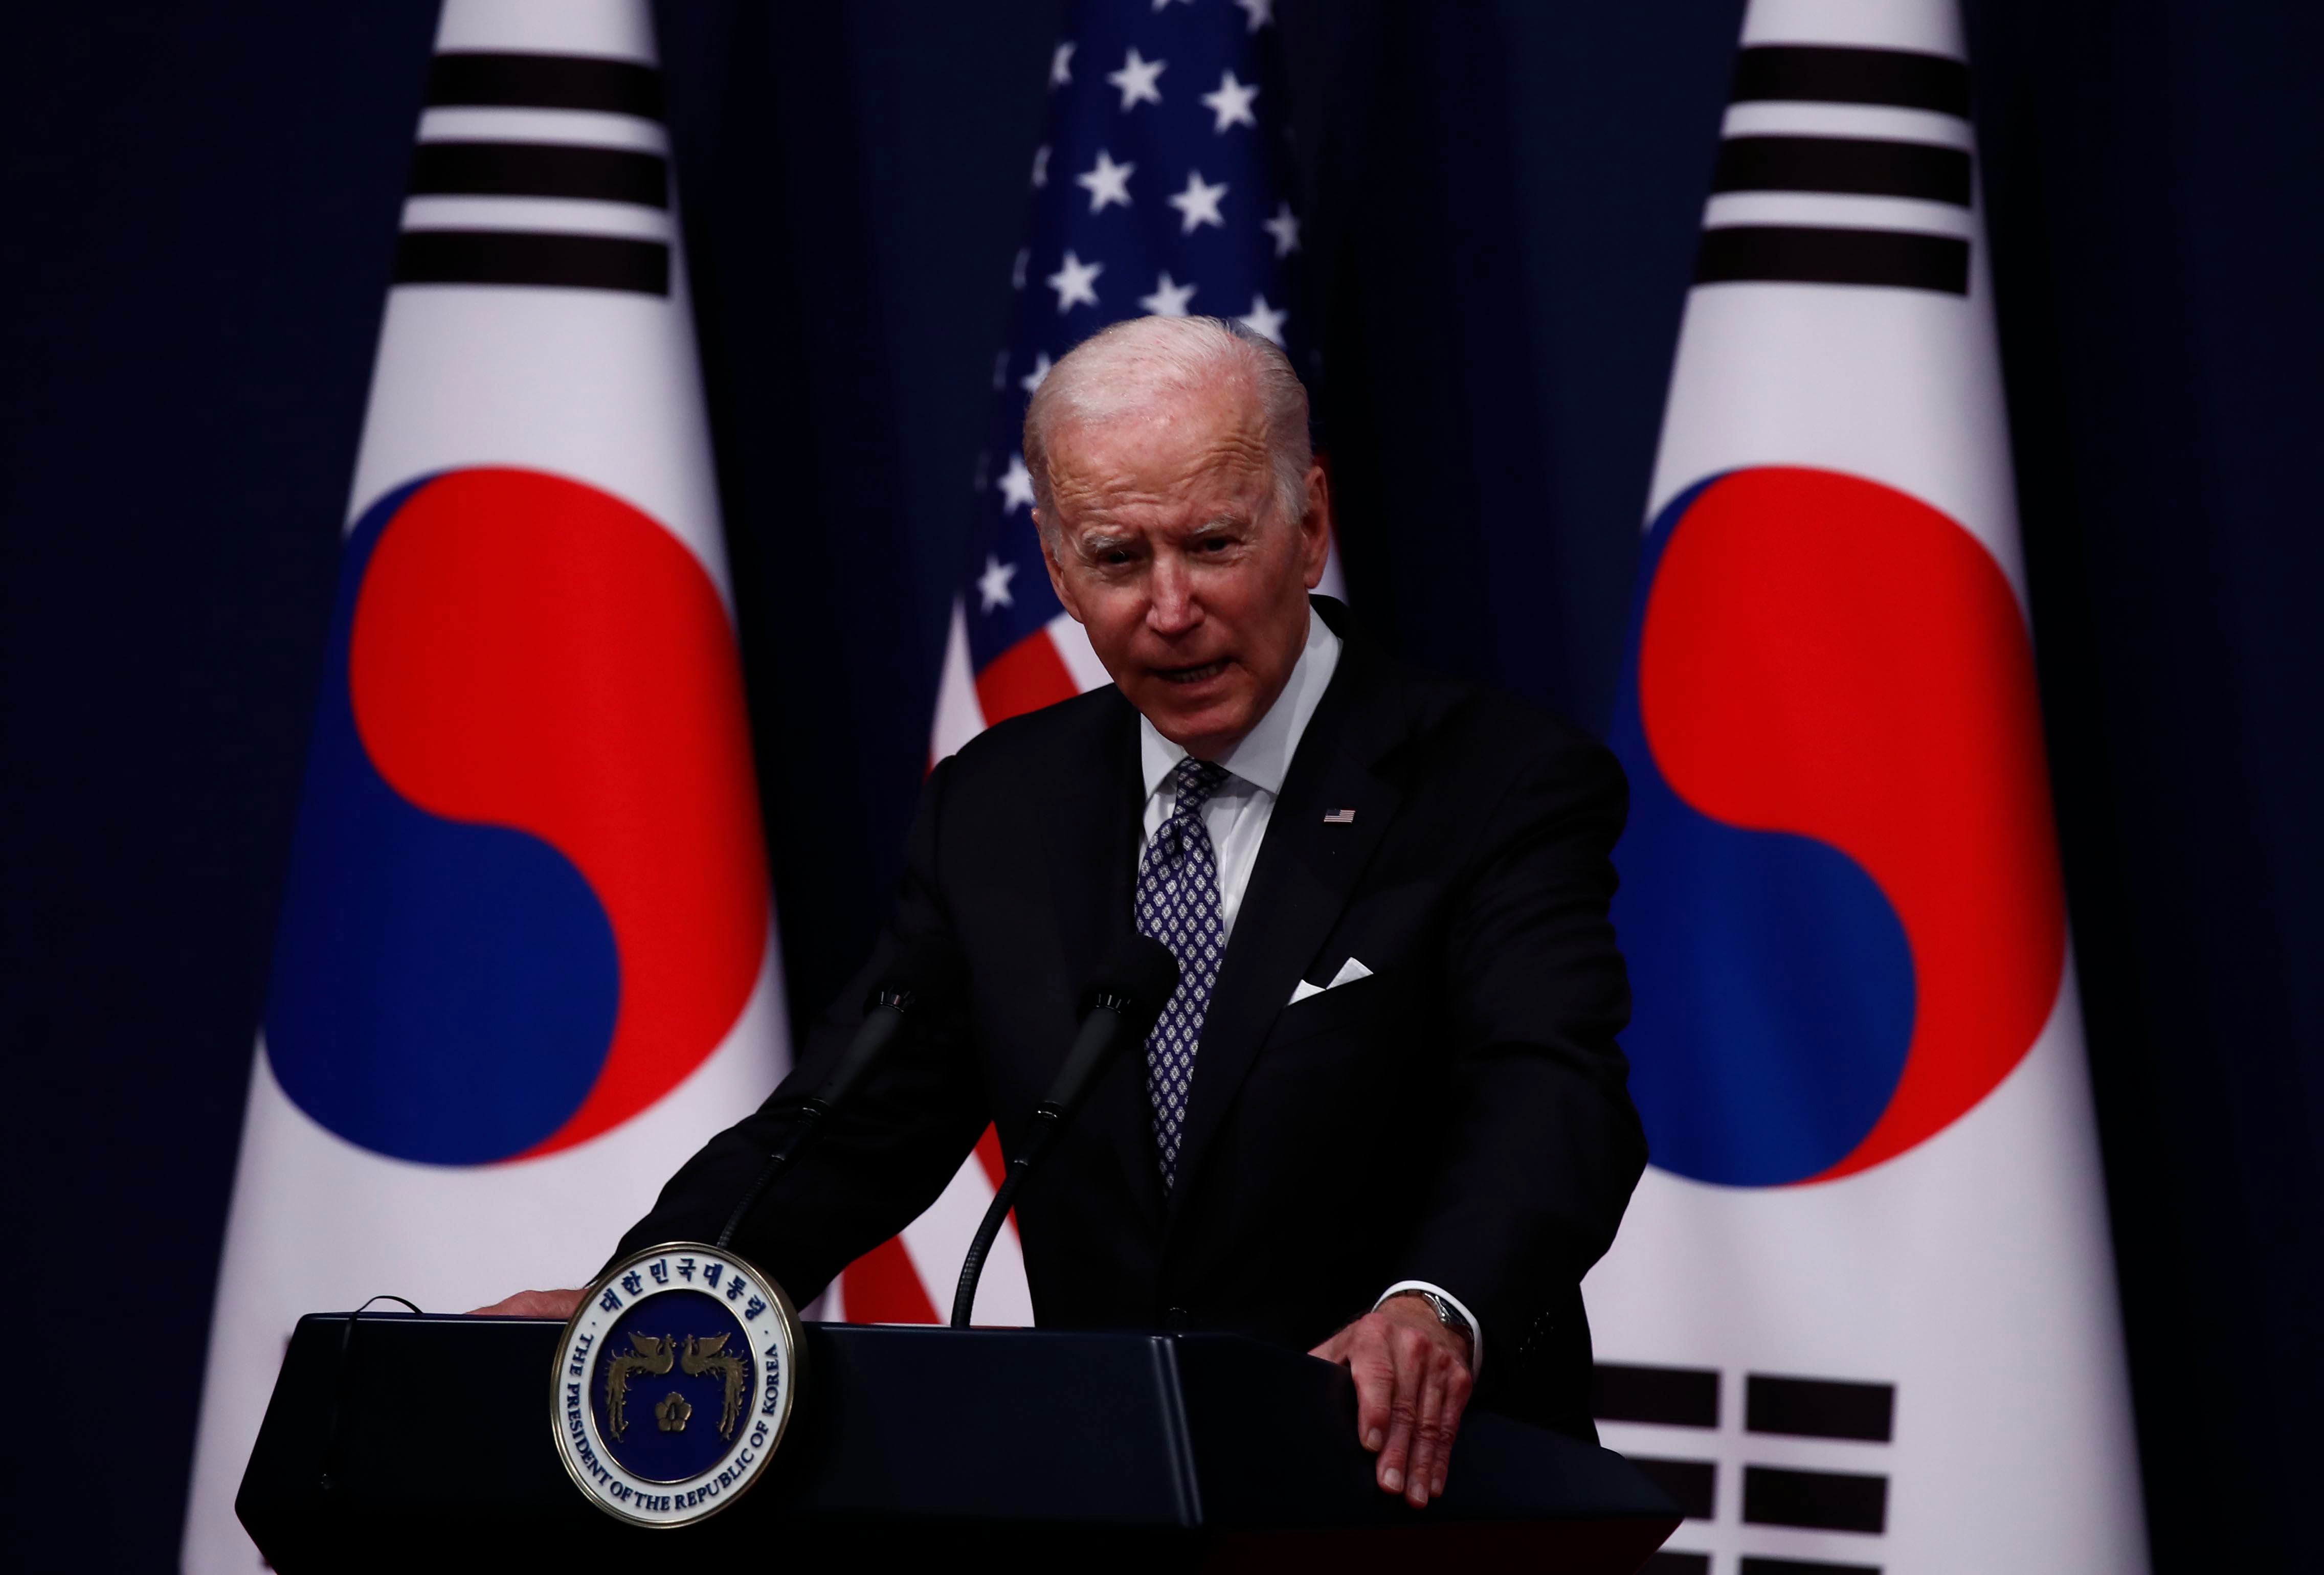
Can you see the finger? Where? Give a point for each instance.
(532, 1304)
(1458, 1388)
(1375, 1374)
(1403, 1413)
(1428, 1434)
(1458, 1385)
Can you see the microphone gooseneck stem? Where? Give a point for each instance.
(1110, 1024)
(972, 1267)
(802, 1136)
(880, 1026)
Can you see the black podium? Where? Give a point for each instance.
(412, 1443)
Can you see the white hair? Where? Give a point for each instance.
(1133, 363)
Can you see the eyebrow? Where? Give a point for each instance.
(1092, 542)
(1095, 540)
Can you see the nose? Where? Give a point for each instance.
(1171, 609)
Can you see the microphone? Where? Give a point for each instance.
(1118, 1008)
(926, 967)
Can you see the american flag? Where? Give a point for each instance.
(1162, 187)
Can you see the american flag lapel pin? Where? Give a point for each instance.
(1341, 818)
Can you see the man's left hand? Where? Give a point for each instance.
(1412, 1382)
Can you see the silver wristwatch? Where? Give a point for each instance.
(1446, 1313)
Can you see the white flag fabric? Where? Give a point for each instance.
(526, 963)
(1862, 1312)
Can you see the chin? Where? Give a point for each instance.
(1216, 719)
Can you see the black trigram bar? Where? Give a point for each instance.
(1753, 1565)
(1858, 166)
(1824, 74)
(1667, 1563)
(540, 169)
(1806, 255)
(1671, 1396)
(528, 257)
(1820, 1408)
(1693, 1485)
(546, 82)
(1816, 1500)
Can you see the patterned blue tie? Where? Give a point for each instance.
(1179, 905)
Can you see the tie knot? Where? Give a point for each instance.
(1196, 781)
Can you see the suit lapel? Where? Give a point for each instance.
(1307, 866)
(1091, 841)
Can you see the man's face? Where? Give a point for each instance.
(1167, 547)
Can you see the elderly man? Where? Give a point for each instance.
(1392, 1126)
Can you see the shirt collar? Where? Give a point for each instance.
(1261, 757)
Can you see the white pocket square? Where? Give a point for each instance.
(1350, 972)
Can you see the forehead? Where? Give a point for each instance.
(1201, 444)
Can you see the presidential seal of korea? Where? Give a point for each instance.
(674, 1383)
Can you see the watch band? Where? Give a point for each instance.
(1446, 1313)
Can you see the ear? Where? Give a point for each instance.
(1057, 580)
(1315, 526)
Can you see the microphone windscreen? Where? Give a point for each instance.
(925, 966)
(1139, 967)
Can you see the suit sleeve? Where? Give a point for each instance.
(882, 1158)
(1541, 1145)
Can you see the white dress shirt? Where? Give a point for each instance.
(1236, 818)
(1237, 812)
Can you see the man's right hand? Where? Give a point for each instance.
(556, 1304)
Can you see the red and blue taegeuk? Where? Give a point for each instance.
(1841, 901)
(528, 893)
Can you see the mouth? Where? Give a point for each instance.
(1201, 674)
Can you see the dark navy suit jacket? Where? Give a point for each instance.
(1460, 1117)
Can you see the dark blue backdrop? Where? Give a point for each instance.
(1503, 198)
